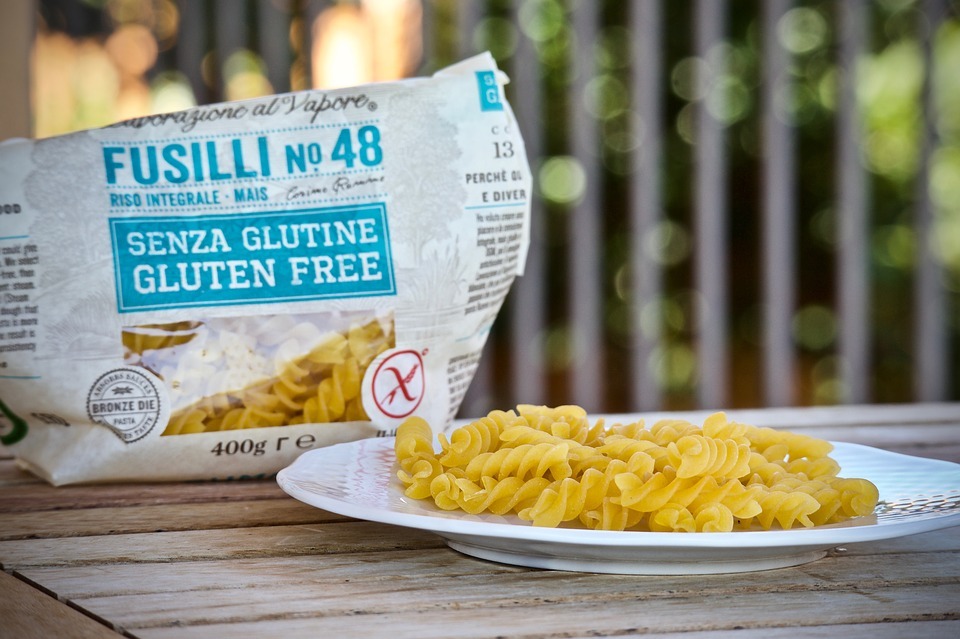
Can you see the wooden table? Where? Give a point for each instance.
(243, 559)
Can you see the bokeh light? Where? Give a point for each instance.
(814, 327)
(245, 76)
(342, 54)
(562, 179)
(542, 20)
(675, 366)
(171, 91)
(802, 30)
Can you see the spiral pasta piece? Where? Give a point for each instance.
(858, 497)
(786, 508)
(523, 462)
(414, 441)
(645, 456)
(418, 475)
(648, 495)
(797, 445)
(565, 500)
(473, 439)
(566, 422)
(329, 402)
(765, 471)
(697, 455)
(718, 427)
(826, 495)
(813, 468)
(501, 496)
(668, 430)
(611, 515)
(673, 518)
(445, 491)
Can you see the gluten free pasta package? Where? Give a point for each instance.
(207, 294)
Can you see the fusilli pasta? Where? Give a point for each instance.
(234, 373)
(550, 467)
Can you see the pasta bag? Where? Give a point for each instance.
(209, 293)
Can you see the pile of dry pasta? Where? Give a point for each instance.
(224, 366)
(550, 466)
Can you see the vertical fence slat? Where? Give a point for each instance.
(311, 11)
(852, 263)
(230, 29)
(468, 17)
(273, 33)
(479, 395)
(191, 47)
(585, 302)
(527, 311)
(930, 304)
(710, 214)
(428, 28)
(779, 212)
(17, 34)
(646, 205)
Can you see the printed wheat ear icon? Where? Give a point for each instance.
(401, 384)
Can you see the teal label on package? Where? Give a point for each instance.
(489, 91)
(248, 258)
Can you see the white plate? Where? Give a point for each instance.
(358, 480)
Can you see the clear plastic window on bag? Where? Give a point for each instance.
(251, 372)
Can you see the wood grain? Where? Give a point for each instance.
(166, 517)
(11, 474)
(37, 496)
(193, 545)
(27, 612)
(557, 617)
(433, 588)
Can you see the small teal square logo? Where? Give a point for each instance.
(489, 91)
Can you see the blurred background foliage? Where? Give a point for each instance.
(98, 61)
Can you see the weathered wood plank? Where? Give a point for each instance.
(892, 630)
(937, 541)
(945, 451)
(27, 612)
(11, 474)
(86, 580)
(41, 496)
(156, 595)
(165, 517)
(74, 581)
(632, 614)
(393, 594)
(192, 545)
(292, 572)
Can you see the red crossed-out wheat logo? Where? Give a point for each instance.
(398, 383)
